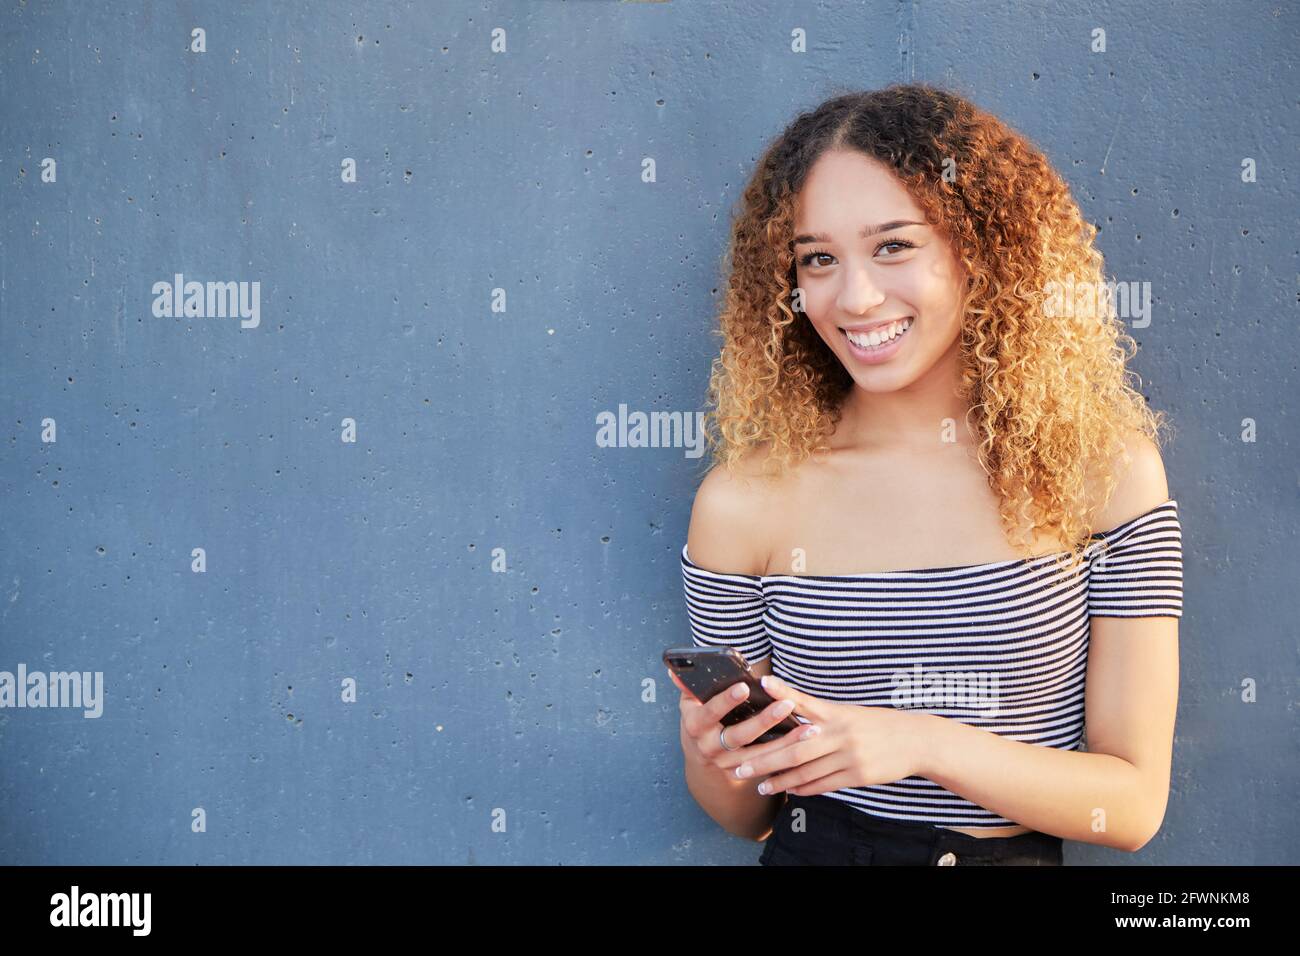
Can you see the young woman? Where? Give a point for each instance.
(938, 513)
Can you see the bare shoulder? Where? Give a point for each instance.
(1141, 483)
(728, 531)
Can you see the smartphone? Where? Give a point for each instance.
(707, 671)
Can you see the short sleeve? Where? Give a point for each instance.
(1137, 568)
(726, 610)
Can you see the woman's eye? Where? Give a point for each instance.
(811, 257)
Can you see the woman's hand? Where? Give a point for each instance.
(856, 746)
(702, 725)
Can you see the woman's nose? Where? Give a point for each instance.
(860, 293)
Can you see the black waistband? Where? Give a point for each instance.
(927, 834)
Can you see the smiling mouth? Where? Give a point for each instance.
(876, 339)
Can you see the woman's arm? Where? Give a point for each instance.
(726, 533)
(1114, 794)
(733, 804)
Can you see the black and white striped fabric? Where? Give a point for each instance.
(1002, 646)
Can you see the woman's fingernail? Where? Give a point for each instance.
(811, 731)
(744, 770)
(783, 708)
(764, 787)
(763, 681)
(738, 691)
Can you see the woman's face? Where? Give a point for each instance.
(856, 282)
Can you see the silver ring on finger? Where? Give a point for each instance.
(722, 736)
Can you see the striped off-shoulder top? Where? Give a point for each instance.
(1002, 646)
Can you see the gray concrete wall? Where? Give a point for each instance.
(497, 584)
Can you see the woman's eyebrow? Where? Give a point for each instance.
(867, 231)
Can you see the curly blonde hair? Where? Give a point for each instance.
(1050, 392)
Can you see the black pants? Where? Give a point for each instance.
(832, 833)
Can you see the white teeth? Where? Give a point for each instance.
(878, 337)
